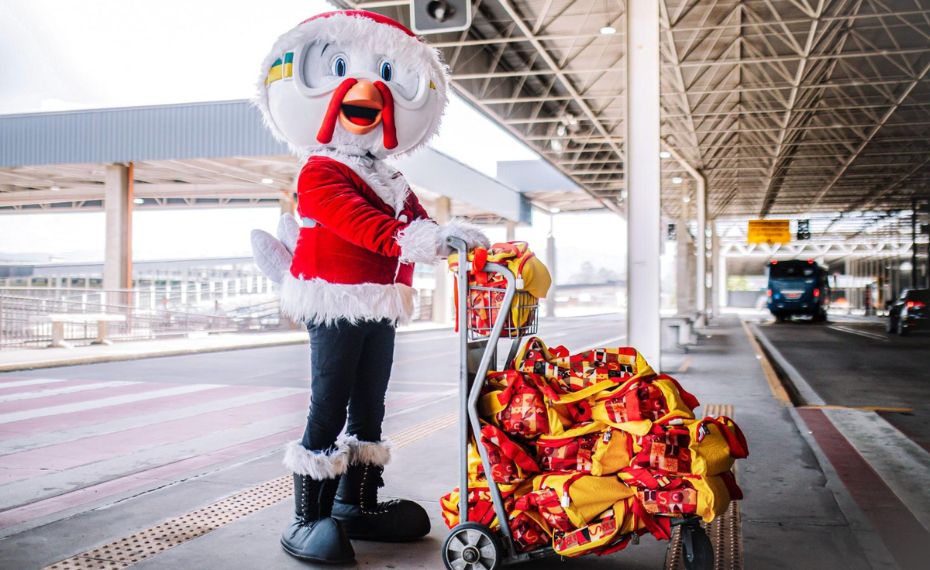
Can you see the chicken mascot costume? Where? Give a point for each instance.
(345, 90)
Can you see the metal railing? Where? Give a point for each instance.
(29, 321)
(44, 316)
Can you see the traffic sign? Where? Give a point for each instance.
(769, 231)
(804, 229)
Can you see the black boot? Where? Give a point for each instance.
(363, 517)
(314, 535)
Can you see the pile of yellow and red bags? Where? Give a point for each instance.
(593, 448)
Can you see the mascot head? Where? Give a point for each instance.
(352, 79)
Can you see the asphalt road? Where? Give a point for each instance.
(855, 363)
(75, 438)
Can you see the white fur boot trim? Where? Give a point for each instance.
(419, 242)
(317, 464)
(367, 452)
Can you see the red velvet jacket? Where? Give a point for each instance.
(348, 233)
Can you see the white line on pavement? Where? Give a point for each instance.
(866, 334)
(103, 402)
(33, 382)
(152, 419)
(53, 391)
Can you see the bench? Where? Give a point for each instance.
(681, 329)
(58, 321)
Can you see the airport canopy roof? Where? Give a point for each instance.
(787, 106)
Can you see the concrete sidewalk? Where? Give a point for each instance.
(791, 516)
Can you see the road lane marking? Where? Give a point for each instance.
(103, 402)
(149, 542)
(18, 383)
(685, 365)
(891, 409)
(108, 426)
(771, 377)
(866, 334)
(64, 390)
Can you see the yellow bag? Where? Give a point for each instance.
(577, 377)
(609, 532)
(532, 281)
(708, 446)
(568, 501)
(705, 496)
(592, 448)
(635, 404)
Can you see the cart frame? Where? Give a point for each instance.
(477, 357)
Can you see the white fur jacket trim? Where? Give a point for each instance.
(318, 465)
(318, 301)
(367, 452)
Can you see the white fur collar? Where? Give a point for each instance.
(387, 183)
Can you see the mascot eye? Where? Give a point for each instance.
(387, 70)
(339, 66)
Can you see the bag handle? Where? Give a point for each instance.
(739, 448)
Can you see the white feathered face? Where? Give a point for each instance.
(344, 93)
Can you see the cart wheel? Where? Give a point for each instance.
(471, 546)
(697, 552)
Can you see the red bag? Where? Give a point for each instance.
(509, 462)
(651, 399)
(516, 404)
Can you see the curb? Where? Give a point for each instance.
(97, 359)
(802, 392)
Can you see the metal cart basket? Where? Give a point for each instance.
(486, 315)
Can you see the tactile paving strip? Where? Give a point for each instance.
(144, 544)
(725, 532)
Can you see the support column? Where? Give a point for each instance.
(511, 228)
(551, 264)
(118, 201)
(684, 266)
(644, 227)
(700, 299)
(913, 244)
(715, 270)
(287, 206)
(441, 293)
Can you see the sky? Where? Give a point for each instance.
(65, 55)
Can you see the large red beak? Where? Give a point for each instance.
(360, 107)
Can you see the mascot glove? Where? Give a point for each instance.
(419, 242)
(273, 256)
(469, 233)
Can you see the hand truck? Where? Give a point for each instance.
(474, 546)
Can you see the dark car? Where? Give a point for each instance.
(910, 312)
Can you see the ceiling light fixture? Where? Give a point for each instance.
(267, 181)
(677, 180)
(665, 154)
(55, 188)
(139, 201)
(608, 31)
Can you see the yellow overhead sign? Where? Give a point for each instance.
(769, 231)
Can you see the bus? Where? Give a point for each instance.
(798, 287)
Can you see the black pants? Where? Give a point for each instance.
(349, 366)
